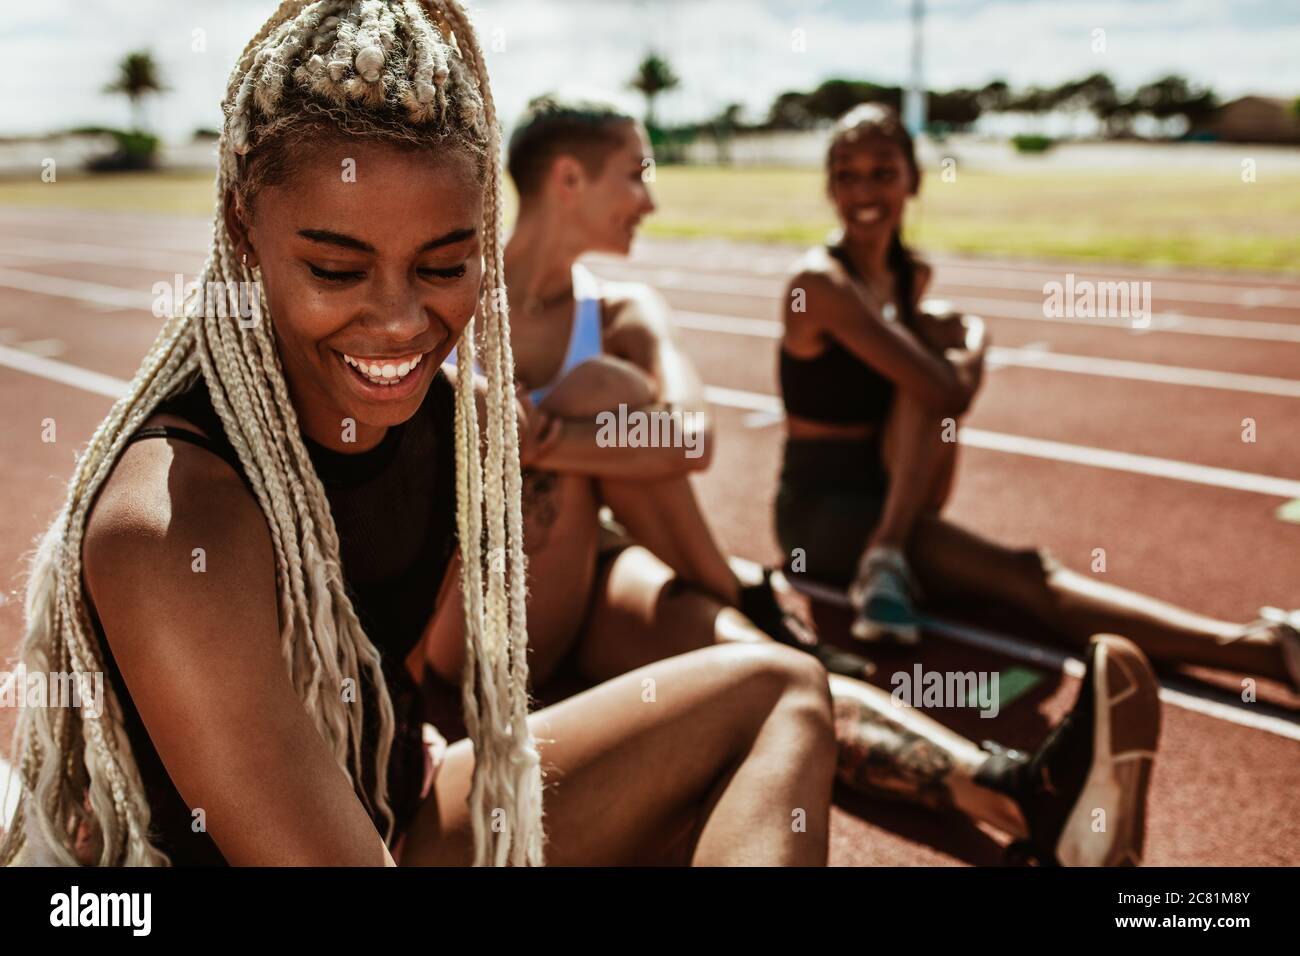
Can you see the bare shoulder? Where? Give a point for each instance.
(817, 274)
(179, 561)
(816, 294)
(167, 509)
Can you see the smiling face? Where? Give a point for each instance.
(608, 205)
(869, 183)
(370, 282)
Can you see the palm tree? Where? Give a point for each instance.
(653, 77)
(137, 77)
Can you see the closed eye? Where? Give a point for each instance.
(331, 276)
(454, 272)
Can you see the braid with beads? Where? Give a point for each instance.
(398, 71)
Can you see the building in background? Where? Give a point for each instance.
(1255, 119)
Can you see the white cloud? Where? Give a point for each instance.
(60, 53)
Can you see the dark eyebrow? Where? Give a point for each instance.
(450, 239)
(335, 239)
(349, 242)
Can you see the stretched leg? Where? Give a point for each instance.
(753, 787)
(884, 749)
(953, 562)
(662, 514)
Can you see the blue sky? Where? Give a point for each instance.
(58, 54)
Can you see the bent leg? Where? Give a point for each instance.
(752, 787)
(662, 514)
(884, 750)
(920, 465)
(953, 562)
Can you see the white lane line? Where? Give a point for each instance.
(1133, 464)
(92, 293)
(1188, 695)
(1167, 322)
(96, 255)
(760, 284)
(1013, 309)
(62, 372)
(1027, 312)
(1041, 359)
(1061, 451)
(1246, 290)
(1145, 371)
(106, 385)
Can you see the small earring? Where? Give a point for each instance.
(244, 258)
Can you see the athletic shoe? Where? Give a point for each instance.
(882, 598)
(758, 602)
(1285, 625)
(1084, 793)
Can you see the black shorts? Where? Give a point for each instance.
(830, 500)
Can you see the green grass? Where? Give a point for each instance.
(1199, 219)
(179, 194)
(1184, 218)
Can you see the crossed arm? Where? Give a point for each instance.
(942, 366)
(644, 368)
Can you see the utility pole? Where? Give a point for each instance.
(914, 96)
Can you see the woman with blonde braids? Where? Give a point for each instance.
(256, 583)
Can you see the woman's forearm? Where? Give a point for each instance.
(635, 444)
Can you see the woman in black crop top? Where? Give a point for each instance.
(261, 534)
(874, 390)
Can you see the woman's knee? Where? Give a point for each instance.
(600, 384)
(780, 679)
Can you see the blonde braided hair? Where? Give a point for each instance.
(402, 71)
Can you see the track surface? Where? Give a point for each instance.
(1187, 511)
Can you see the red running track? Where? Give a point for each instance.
(1185, 511)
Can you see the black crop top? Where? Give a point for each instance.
(836, 386)
(394, 507)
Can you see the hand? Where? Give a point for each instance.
(539, 431)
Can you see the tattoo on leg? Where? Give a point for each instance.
(540, 506)
(879, 757)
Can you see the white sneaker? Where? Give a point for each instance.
(882, 597)
(1285, 625)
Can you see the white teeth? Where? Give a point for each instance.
(389, 373)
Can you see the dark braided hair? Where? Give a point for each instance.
(876, 119)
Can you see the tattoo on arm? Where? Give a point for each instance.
(880, 757)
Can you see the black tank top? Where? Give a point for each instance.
(394, 507)
(836, 386)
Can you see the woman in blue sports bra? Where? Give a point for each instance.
(582, 349)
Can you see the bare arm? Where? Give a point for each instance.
(200, 653)
(835, 310)
(645, 369)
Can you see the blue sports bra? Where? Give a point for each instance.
(585, 332)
